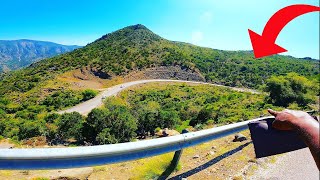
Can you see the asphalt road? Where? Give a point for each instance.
(85, 107)
(296, 165)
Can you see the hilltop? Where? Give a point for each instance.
(15, 54)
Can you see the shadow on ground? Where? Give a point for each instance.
(191, 172)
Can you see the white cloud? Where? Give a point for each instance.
(206, 17)
(196, 37)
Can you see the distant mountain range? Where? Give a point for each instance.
(15, 54)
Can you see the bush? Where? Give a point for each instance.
(62, 99)
(110, 125)
(288, 89)
(105, 137)
(3, 114)
(206, 113)
(70, 126)
(158, 129)
(50, 118)
(88, 94)
(29, 129)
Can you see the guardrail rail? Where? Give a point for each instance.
(72, 157)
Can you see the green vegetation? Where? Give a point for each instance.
(137, 48)
(137, 112)
(153, 167)
(111, 124)
(30, 119)
(70, 125)
(176, 106)
(292, 88)
(67, 98)
(28, 95)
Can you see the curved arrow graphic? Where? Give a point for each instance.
(264, 45)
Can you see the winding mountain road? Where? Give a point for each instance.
(294, 165)
(85, 107)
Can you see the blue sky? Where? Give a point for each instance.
(219, 24)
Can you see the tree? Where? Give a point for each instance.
(168, 119)
(288, 89)
(70, 125)
(96, 121)
(29, 129)
(88, 94)
(123, 124)
(105, 137)
(110, 125)
(206, 113)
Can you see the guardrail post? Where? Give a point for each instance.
(174, 163)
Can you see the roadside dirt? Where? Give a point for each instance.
(219, 159)
(5, 144)
(87, 78)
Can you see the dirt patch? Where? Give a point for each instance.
(82, 79)
(163, 72)
(5, 144)
(87, 78)
(76, 173)
(39, 141)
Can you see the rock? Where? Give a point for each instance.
(239, 138)
(196, 156)
(167, 132)
(210, 153)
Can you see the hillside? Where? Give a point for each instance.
(138, 48)
(29, 95)
(16, 54)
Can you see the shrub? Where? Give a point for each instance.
(288, 89)
(158, 129)
(88, 94)
(62, 99)
(29, 129)
(50, 118)
(70, 125)
(110, 125)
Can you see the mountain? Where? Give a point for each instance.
(29, 95)
(15, 54)
(136, 48)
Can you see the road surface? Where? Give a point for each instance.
(296, 165)
(85, 107)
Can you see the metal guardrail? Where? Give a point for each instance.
(71, 157)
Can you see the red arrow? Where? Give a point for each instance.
(265, 45)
